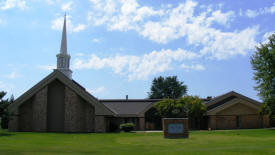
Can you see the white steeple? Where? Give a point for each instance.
(63, 58)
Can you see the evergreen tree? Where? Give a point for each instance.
(4, 114)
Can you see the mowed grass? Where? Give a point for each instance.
(258, 141)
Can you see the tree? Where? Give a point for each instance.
(168, 87)
(169, 108)
(263, 63)
(4, 114)
(188, 106)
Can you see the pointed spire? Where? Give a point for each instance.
(63, 48)
(63, 58)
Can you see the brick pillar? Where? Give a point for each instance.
(39, 108)
(266, 122)
(141, 123)
(212, 122)
(100, 124)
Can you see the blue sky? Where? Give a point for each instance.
(118, 47)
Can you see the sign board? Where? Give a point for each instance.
(175, 128)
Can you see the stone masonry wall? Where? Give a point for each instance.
(78, 114)
(100, 124)
(25, 116)
(13, 123)
(39, 108)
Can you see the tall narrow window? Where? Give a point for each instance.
(238, 121)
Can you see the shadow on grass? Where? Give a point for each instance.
(5, 134)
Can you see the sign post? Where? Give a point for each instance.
(175, 127)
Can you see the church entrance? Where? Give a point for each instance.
(55, 107)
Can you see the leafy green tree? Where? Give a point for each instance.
(187, 106)
(263, 63)
(193, 106)
(4, 114)
(168, 87)
(169, 108)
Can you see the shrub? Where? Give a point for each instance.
(127, 127)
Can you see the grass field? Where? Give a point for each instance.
(260, 141)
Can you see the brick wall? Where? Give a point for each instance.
(25, 116)
(100, 124)
(39, 110)
(251, 121)
(141, 123)
(212, 122)
(79, 115)
(13, 123)
(225, 122)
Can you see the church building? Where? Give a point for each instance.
(59, 104)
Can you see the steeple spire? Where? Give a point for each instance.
(63, 58)
(63, 48)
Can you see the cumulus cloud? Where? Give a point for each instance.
(14, 74)
(9, 4)
(66, 6)
(96, 90)
(170, 23)
(266, 36)
(47, 67)
(137, 67)
(57, 24)
(262, 11)
(197, 67)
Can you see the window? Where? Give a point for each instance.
(238, 121)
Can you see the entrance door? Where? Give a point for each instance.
(55, 107)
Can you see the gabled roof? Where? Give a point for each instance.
(100, 109)
(129, 107)
(230, 98)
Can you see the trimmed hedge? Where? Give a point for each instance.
(127, 127)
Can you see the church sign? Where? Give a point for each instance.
(175, 127)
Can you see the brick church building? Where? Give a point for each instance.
(59, 104)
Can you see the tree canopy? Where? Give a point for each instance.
(263, 63)
(168, 87)
(188, 106)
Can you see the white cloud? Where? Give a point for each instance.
(95, 40)
(9, 4)
(57, 24)
(137, 67)
(197, 67)
(261, 11)
(79, 54)
(66, 6)
(7, 87)
(14, 74)
(266, 36)
(47, 67)
(2, 22)
(219, 17)
(96, 90)
(166, 24)
(251, 13)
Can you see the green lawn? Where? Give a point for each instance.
(260, 141)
